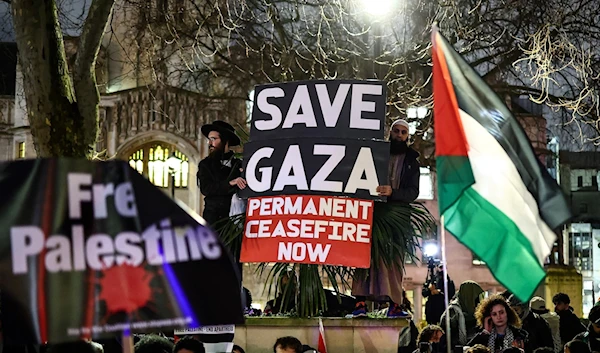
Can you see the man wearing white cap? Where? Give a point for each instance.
(403, 186)
(538, 306)
(403, 172)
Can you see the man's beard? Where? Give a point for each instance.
(217, 153)
(398, 147)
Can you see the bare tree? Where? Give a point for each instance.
(62, 108)
(545, 49)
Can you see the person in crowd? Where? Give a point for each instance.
(538, 331)
(478, 348)
(538, 306)
(287, 344)
(407, 341)
(513, 350)
(237, 349)
(544, 350)
(385, 283)
(500, 326)
(308, 349)
(435, 305)
(75, 347)
(219, 174)
(431, 335)
(439, 281)
(570, 325)
(576, 346)
(463, 324)
(403, 172)
(592, 335)
(153, 344)
(188, 345)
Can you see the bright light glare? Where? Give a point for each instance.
(377, 7)
(430, 250)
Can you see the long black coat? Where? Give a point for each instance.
(539, 332)
(213, 178)
(409, 179)
(570, 325)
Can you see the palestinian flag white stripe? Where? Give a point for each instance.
(498, 181)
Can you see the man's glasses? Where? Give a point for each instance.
(401, 132)
(213, 139)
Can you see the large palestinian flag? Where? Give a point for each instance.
(496, 197)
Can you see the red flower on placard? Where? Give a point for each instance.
(125, 288)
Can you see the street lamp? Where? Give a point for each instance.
(174, 164)
(378, 8)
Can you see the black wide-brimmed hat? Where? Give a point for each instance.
(224, 129)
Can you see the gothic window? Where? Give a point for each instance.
(151, 162)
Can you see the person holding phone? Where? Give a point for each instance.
(500, 326)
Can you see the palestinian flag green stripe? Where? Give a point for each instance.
(506, 250)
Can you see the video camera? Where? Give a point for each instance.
(432, 276)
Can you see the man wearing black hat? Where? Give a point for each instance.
(592, 335)
(219, 174)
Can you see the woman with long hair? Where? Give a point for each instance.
(500, 325)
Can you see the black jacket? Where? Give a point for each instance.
(409, 179)
(213, 178)
(591, 338)
(570, 326)
(539, 333)
(434, 308)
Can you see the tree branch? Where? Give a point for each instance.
(84, 76)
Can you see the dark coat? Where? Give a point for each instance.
(407, 341)
(591, 338)
(434, 308)
(409, 179)
(213, 179)
(539, 333)
(570, 326)
(484, 336)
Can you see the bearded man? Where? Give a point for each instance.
(403, 171)
(219, 174)
(385, 284)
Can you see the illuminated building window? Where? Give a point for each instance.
(151, 161)
(21, 150)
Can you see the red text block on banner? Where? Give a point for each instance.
(309, 229)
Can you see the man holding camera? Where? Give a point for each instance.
(433, 289)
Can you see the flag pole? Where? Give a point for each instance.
(127, 342)
(445, 267)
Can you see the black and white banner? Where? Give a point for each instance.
(342, 108)
(315, 166)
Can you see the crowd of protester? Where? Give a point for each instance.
(503, 323)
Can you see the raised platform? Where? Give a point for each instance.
(366, 335)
